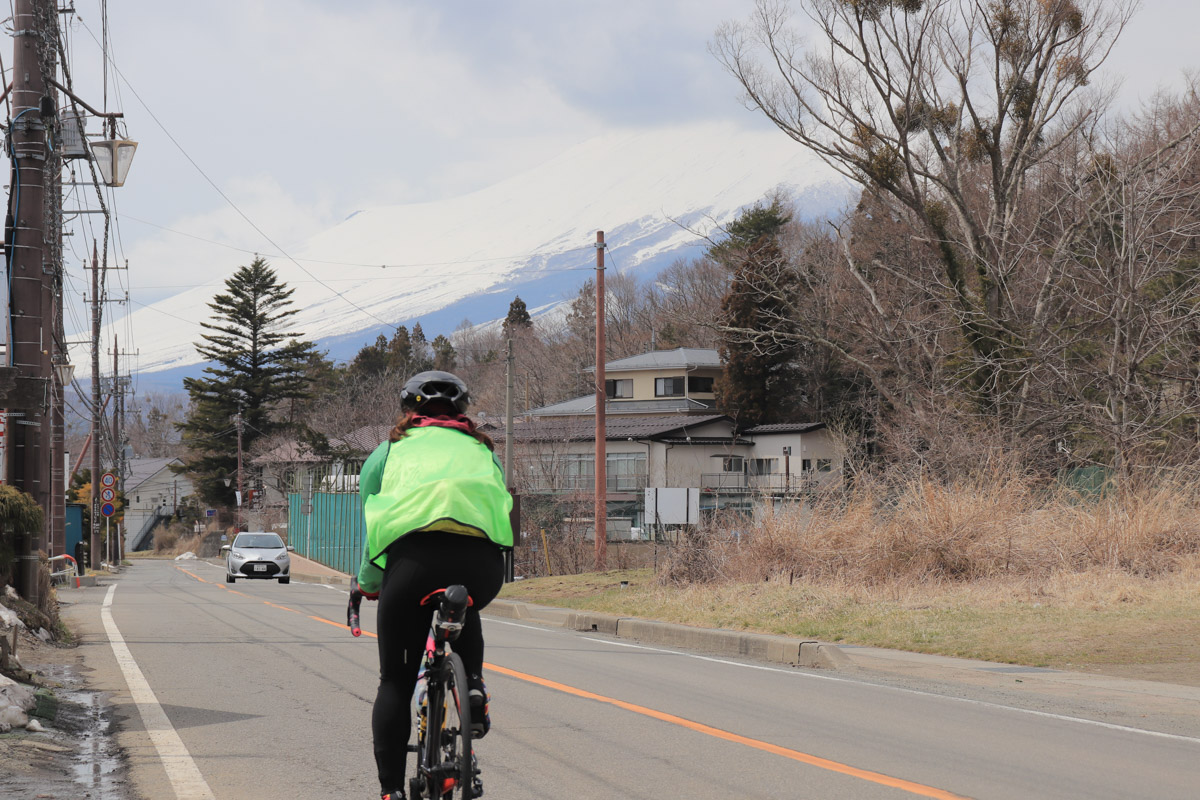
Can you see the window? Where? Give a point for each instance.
(699, 385)
(668, 387)
(806, 465)
(626, 472)
(731, 464)
(625, 463)
(618, 388)
(761, 466)
(824, 465)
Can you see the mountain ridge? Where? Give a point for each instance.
(532, 234)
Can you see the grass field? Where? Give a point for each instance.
(1146, 628)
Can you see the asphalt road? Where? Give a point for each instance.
(256, 690)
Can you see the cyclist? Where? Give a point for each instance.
(436, 512)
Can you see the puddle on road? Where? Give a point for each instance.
(96, 768)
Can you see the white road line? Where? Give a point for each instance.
(967, 700)
(530, 627)
(185, 777)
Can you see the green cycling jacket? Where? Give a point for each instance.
(433, 479)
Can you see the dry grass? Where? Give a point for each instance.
(922, 531)
(998, 568)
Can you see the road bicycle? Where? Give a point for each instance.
(446, 764)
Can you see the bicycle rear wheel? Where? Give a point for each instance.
(454, 774)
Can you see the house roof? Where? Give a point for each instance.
(616, 428)
(361, 440)
(587, 405)
(364, 439)
(287, 452)
(679, 358)
(784, 427)
(143, 469)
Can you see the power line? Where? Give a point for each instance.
(224, 196)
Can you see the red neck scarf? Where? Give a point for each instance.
(458, 422)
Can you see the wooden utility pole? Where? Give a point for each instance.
(509, 445)
(94, 533)
(241, 498)
(601, 520)
(118, 396)
(29, 306)
(508, 417)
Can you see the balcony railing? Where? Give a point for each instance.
(583, 483)
(735, 482)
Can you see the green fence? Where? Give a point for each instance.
(329, 529)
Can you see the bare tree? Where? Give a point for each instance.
(1120, 352)
(946, 108)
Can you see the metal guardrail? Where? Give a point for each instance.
(578, 483)
(63, 573)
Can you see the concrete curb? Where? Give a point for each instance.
(761, 647)
(336, 580)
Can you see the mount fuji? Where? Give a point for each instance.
(532, 235)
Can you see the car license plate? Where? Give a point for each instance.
(260, 567)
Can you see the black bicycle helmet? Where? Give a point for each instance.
(435, 385)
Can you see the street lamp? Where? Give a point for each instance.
(113, 157)
(65, 373)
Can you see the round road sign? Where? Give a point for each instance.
(108, 479)
(108, 509)
(108, 494)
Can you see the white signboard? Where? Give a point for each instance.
(672, 506)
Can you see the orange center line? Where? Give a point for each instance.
(911, 787)
(795, 755)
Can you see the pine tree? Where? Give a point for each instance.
(444, 356)
(257, 367)
(400, 352)
(372, 360)
(518, 318)
(422, 359)
(752, 360)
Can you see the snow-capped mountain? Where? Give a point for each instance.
(532, 234)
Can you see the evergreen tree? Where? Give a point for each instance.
(372, 360)
(518, 318)
(421, 357)
(444, 356)
(752, 357)
(400, 352)
(258, 367)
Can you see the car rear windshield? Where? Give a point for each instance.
(258, 540)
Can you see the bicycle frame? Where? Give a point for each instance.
(436, 777)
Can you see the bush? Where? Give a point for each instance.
(993, 525)
(165, 540)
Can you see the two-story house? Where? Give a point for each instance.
(153, 493)
(662, 431)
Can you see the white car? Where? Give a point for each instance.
(258, 554)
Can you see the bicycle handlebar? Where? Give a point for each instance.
(352, 610)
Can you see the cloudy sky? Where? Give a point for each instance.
(302, 111)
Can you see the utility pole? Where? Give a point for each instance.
(94, 537)
(508, 417)
(601, 508)
(118, 395)
(34, 27)
(509, 444)
(240, 496)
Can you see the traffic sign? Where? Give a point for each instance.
(108, 509)
(108, 495)
(108, 479)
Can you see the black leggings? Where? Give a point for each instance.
(418, 564)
